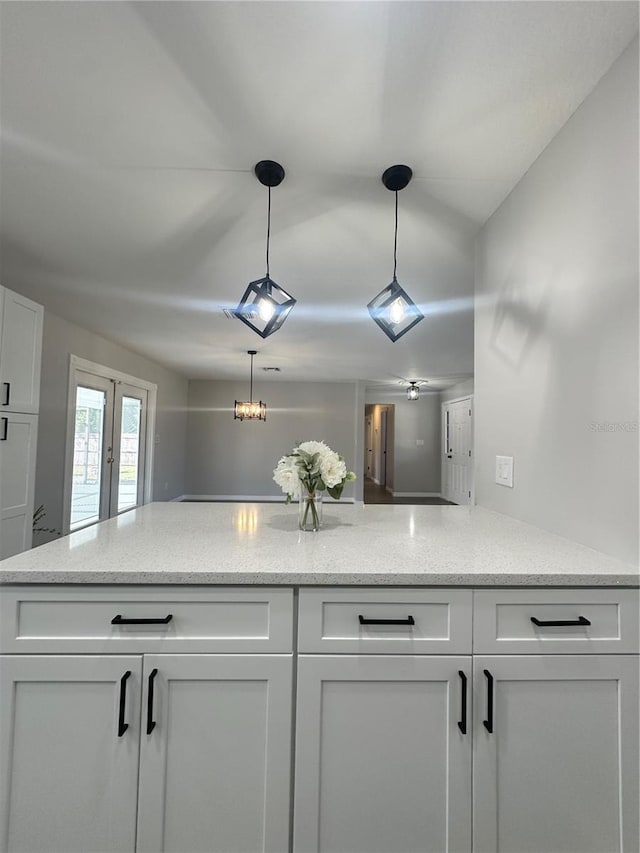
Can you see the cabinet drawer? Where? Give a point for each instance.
(567, 621)
(389, 621)
(202, 619)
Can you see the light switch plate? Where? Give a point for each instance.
(419, 442)
(504, 471)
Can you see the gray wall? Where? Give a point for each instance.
(227, 457)
(415, 469)
(62, 338)
(455, 392)
(556, 332)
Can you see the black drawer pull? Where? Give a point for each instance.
(151, 723)
(5, 429)
(7, 393)
(122, 726)
(119, 620)
(488, 723)
(462, 723)
(559, 623)
(408, 621)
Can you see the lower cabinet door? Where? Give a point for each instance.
(555, 761)
(69, 735)
(215, 754)
(383, 755)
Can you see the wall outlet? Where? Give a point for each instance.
(419, 442)
(504, 471)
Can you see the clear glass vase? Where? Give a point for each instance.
(310, 511)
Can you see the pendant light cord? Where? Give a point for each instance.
(395, 241)
(269, 227)
(251, 383)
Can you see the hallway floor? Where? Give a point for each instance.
(374, 494)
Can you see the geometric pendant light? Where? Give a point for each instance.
(265, 305)
(392, 309)
(250, 411)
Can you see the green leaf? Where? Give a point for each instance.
(336, 491)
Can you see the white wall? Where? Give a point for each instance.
(556, 331)
(227, 457)
(416, 469)
(60, 339)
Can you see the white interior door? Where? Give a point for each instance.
(369, 446)
(457, 462)
(109, 448)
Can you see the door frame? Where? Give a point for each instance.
(81, 364)
(443, 405)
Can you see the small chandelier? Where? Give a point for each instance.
(392, 309)
(413, 391)
(250, 411)
(265, 305)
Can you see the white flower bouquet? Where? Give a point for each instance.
(309, 469)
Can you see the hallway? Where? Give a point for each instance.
(374, 494)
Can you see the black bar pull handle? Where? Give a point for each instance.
(488, 723)
(7, 393)
(462, 723)
(408, 621)
(559, 623)
(119, 620)
(5, 429)
(151, 723)
(122, 726)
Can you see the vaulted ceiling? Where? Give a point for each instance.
(130, 130)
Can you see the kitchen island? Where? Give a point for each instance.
(205, 677)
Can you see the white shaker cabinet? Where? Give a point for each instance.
(69, 766)
(20, 358)
(555, 759)
(18, 445)
(383, 755)
(204, 763)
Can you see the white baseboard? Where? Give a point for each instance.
(416, 494)
(178, 499)
(252, 499)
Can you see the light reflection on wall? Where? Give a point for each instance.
(246, 521)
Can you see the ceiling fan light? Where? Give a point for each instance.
(413, 391)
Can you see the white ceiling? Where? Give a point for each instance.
(130, 132)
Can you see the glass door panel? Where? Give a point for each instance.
(90, 480)
(130, 456)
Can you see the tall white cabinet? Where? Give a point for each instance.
(20, 363)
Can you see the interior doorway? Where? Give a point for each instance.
(379, 420)
(457, 451)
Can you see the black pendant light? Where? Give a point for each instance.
(250, 411)
(413, 391)
(265, 305)
(392, 309)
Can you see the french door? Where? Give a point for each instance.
(109, 448)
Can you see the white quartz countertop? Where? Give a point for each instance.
(259, 543)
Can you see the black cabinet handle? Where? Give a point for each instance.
(7, 393)
(151, 723)
(122, 726)
(408, 621)
(558, 623)
(462, 723)
(5, 429)
(488, 723)
(119, 620)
